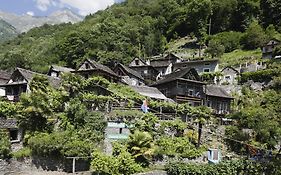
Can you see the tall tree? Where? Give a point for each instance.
(270, 11)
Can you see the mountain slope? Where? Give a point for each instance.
(7, 31)
(24, 23)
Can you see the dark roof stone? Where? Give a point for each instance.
(8, 123)
(28, 75)
(212, 90)
(61, 69)
(101, 67)
(178, 75)
(130, 71)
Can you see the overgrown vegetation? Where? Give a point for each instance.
(141, 29)
(242, 167)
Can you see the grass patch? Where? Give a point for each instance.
(237, 57)
(22, 153)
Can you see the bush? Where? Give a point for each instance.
(5, 145)
(178, 147)
(241, 167)
(22, 153)
(60, 144)
(260, 76)
(230, 40)
(122, 164)
(215, 48)
(254, 37)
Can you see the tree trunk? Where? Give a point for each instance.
(199, 134)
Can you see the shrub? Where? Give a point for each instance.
(241, 167)
(60, 144)
(230, 40)
(22, 153)
(121, 164)
(178, 147)
(5, 145)
(260, 76)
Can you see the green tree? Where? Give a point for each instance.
(141, 146)
(215, 48)
(270, 12)
(200, 114)
(254, 36)
(5, 145)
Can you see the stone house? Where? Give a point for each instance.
(218, 99)
(9, 125)
(19, 83)
(201, 66)
(268, 48)
(92, 68)
(4, 78)
(162, 63)
(229, 76)
(128, 75)
(57, 71)
(182, 86)
(148, 72)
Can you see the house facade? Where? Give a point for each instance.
(19, 81)
(201, 66)
(267, 49)
(9, 125)
(229, 76)
(57, 71)
(148, 72)
(183, 86)
(128, 75)
(218, 99)
(162, 62)
(91, 68)
(4, 78)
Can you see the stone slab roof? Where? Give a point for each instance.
(150, 92)
(61, 69)
(130, 71)
(8, 123)
(178, 75)
(212, 90)
(28, 75)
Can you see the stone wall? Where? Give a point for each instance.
(39, 165)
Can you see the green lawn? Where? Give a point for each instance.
(237, 57)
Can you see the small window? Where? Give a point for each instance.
(145, 71)
(207, 64)
(206, 70)
(14, 134)
(190, 92)
(227, 77)
(87, 66)
(137, 62)
(120, 130)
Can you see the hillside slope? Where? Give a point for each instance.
(7, 31)
(134, 28)
(24, 23)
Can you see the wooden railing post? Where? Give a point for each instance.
(73, 165)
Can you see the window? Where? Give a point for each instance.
(209, 103)
(137, 62)
(87, 65)
(227, 77)
(14, 134)
(120, 130)
(198, 94)
(145, 71)
(207, 64)
(190, 92)
(206, 70)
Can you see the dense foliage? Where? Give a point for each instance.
(141, 28)
(5, 145)
(242, 167)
